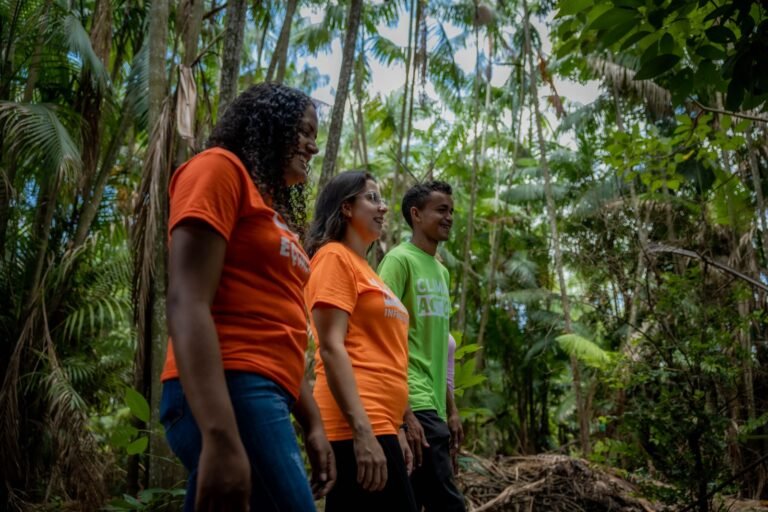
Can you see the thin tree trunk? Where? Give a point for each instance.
(552, 214)
(340, 102)
(231, 53)
(46, 207)
(158, 86)
(158, 43)
(263, 37)
(279, 59)
(416, 53)
(757, 183)
(361, 121)
(496, 233)
(394, 197)
(476, 156)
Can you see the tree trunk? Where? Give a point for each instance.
(419, 16)
(279, 59)
(231, 53)
(476, 156)
(394, 198)
(552, 214)
(759, 198)
(158, 44)
(496, 232)
(361, 121)
(340, 102)
(158, 86)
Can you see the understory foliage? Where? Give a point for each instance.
(649, 356)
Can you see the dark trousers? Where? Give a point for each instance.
(433, 482)
(348, 496)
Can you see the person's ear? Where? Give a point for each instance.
(346, 209)
(415, 215)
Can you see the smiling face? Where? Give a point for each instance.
(366, 213)
(297, 166)
(435, 219)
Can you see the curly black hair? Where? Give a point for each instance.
(417, 196)
(329, 223)
(261, 127)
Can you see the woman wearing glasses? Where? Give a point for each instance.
(361, 330)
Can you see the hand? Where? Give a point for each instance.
(323, 462)
(371, 462)
(457, 437)
(224, 476)
(407, 453)
(415, 435)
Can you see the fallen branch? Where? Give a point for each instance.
(507, 493)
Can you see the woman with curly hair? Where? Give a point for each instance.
(236, 318)
(362, 334)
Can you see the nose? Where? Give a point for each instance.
(312, 147)
(383, 207)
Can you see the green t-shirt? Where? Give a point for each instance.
(421, 284)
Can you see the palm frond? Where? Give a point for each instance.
(149, 215)
(596, 197)
(530, 296)
(79, 45)
(35, 133)
(385, 51)
(656, 98)
(532, 192)
(586, 351)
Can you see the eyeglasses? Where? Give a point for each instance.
(374, 197)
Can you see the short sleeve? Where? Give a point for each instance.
(394, 274)
(208, 188)
(332, 282)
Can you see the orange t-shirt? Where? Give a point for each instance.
(377, 340)
(258, 308)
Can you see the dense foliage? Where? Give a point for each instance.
(609, 261)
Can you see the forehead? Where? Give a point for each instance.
(371, 185)
(437, 199)
(310, 114)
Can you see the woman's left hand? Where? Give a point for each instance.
(323, 463)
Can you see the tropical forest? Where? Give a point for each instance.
(608, 258)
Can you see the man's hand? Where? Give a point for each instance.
(415, 435)
(371, 462)
(405, 447)
(224, 476)
(457, 437)
(323, 463)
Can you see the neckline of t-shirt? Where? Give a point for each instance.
(422, 251)
(349, 250)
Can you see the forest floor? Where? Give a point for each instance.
(558, 483)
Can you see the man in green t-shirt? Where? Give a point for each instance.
(432, 422)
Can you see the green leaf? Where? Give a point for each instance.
(711, 52)
(720, 34)
(138, 404)
(657, 66)
(466, 349)
(617, 33)
(568, 7)
(634, 38)
(584, 350)
(612, 18)
(138, 446)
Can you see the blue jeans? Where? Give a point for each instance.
(262, 408)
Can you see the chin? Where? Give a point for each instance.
(295, 177)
